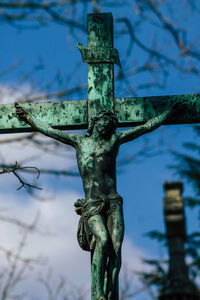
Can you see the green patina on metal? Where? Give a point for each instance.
(134, 111)
(100, 75)
(101, 226)
(129, 111)
(62, 115)
(99, 55)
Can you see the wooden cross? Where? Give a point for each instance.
(100, 56)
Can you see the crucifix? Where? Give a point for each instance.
(101, 226)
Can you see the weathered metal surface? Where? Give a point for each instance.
(61, 115)
(177, 286)
(93, 55)
(130, 112)
(102, 228)
(133, 111)
(100, 75)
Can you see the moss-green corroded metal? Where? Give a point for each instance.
(93, 55)
(130, 112)
(100, 75)
(61, 115)
(134, 111)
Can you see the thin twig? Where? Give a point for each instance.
(23, 183)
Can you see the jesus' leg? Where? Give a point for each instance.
(116, 230)
(98, 229)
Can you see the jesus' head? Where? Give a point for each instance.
(105, 123)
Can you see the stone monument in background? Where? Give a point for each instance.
(178, 286)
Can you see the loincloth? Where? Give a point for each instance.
(104, 205)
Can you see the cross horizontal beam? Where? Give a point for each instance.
(135, 111)
(130, 112)
(60, 115)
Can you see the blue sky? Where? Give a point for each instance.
(140, 182)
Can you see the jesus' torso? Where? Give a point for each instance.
(97, 166)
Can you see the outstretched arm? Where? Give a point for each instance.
(129, 135)
(64, 137)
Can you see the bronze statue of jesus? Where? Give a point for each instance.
(102, 207)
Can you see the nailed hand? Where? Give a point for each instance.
(21, 112)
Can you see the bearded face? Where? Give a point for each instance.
(105, 126)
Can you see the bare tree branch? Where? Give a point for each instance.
(24, 184)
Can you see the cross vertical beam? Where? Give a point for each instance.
(100, 56)
(100, 74)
